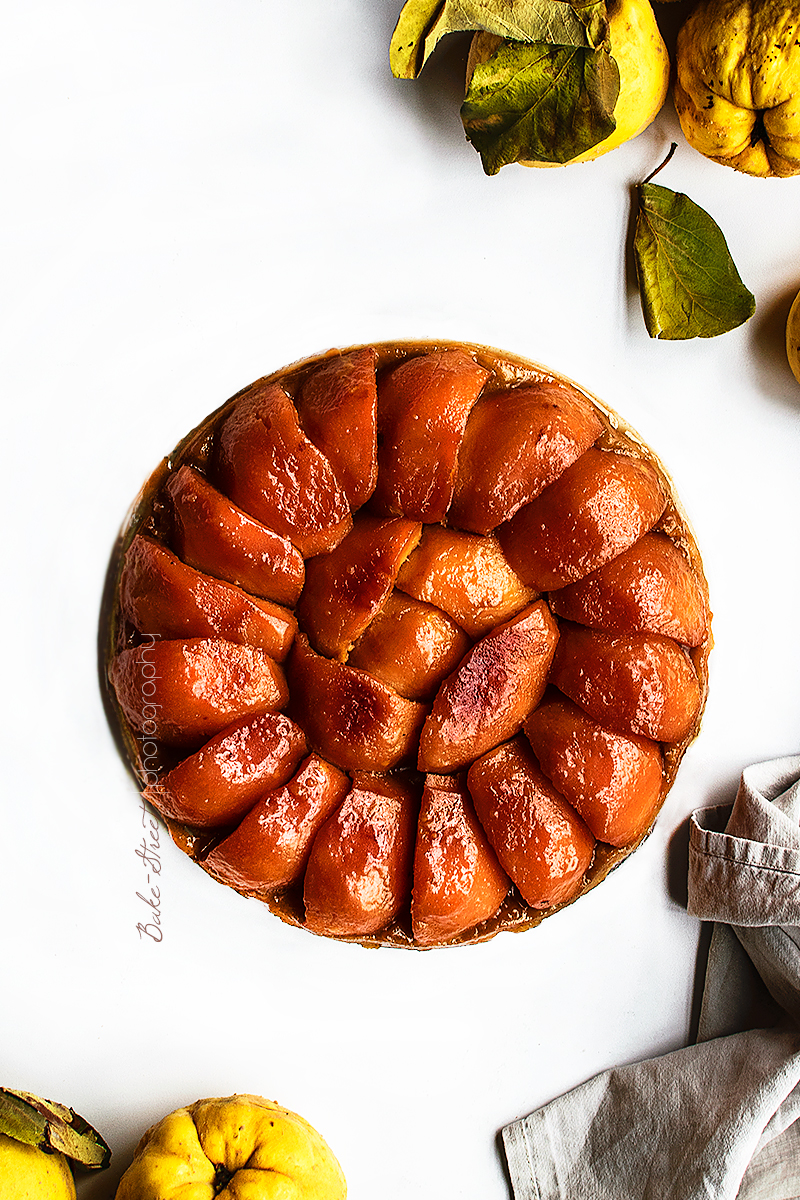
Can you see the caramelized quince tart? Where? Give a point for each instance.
(408, 641)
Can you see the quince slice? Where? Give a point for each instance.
(516, 442)
(486, 700)
(359, 871)
(353, 720)
(270, 846)
(637, 682)
(613, 780)
(337, 406)
(410, 646)
(269, 468)
(737, 90)
(214, 536)
(540, 840)
(219, 783)
(596, 509)
(162, 597)
(651, 588)
(346, 588)
(182, 692)
(466, 576)
(423, 407)
(458, 882)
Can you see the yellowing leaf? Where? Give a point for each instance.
(688, 282)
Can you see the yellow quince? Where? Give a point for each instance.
(27, 1173)
(737, 91)
(234, 1146)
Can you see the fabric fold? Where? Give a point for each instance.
(687, 1125)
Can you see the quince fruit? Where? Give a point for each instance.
(28, 1173)
(641, 56)
(233, 1146)
(737, 91)
(793, 337)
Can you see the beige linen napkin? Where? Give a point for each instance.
(715, 1119)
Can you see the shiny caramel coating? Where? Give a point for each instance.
(219, 783)
(214, 536)
(270, 846)
(540, 840)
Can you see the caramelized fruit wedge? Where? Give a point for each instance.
(346, 588)
(268, 467)
(214, 536)
(353, 720)
(599, 507)
(458, 882)
(183, 692)
(162, 597)
(423, 407)
(466, 576)
(410, 646)
(270, 846)
(541, 842)
(219, 783)
(488, 697)
(613, 780)
(650, 588)
(516, 442)
(337, 406)
(636, 682)
(359, 871)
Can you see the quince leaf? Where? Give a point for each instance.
(540, 103)
(423, 23)
(51, 1127)
(688, 282)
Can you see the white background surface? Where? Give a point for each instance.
(196, 193)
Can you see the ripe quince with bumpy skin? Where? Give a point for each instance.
(233, 1148)
(793, 337)
(638, 49)
(27, 1173)
(737, 91)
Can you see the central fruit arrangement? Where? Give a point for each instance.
(408, 641)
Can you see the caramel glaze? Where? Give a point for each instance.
(150, 515)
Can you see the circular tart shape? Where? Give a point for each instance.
(407, 641)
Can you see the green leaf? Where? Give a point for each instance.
(423, 23)
(539, 103)
(51, 1127)
(688, 282)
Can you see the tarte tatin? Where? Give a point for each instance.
(408, 641)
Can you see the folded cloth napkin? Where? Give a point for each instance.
(713, 1120)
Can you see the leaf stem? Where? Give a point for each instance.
(653, 174)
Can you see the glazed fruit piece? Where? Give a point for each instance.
(218, 784)
(599, 507)
(651, 588)
(466, 576)
(458, 882)
(540, 840)
(337, 406)
(410, 646)
(353, 720)
(637, 683)
(270, 846)
(269, 468)
(359, 872)
(162, 597)
(487, 698)
(183, 692)
(346, 588)
(423, 407)
(613, 780)
(516, 443)
(214, 536)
